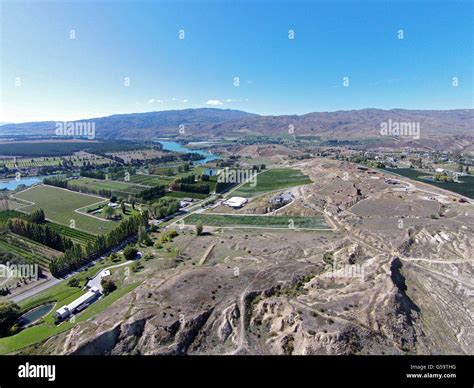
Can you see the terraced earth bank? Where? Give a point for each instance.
(393, 277)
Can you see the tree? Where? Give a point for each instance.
(4, 291)
(123, 207)
(9, 313)
(168, 235)
(40, 233)
(73, 283)
(113, 256)
(36, 217)
(143, 236)
(108, 286)
(199, 228)
(137, 266)
(108, 212)
(130, 252)
(75, 256)
(164, 207)
(113, 199)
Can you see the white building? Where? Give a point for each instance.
(79, 304)
(235, 202)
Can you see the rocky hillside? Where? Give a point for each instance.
(367, 287)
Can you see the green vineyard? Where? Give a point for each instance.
(27, 249)
(77, 236)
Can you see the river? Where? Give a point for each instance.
(12, 184)
(176, 147)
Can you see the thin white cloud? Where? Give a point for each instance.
(185, 100)
(214, 102)
(151, 100)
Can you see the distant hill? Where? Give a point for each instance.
(437, 128)
(137, 125)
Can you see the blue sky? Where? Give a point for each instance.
(45, 75)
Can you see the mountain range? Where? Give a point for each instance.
(437, 127)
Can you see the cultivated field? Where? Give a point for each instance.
(117, 188)
(184, 194)
(77, 159)
(75, 235)
(175, 173)
(288, 222)
(81, 157)
(27, 249)
(144, 154)
(61, 206)
(270, 180)
(149, 180)
(464, 187)
(30, 162)
(7, 214)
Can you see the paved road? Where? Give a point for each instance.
(95, 281)
(41, 287)
(52, 282)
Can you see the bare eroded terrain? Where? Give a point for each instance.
(394, 276)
